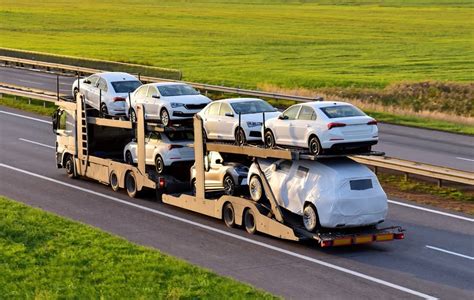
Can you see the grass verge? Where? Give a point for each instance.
(35, 106)
(44, 256)
(451, 198)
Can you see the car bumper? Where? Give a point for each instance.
(343, 221)
(344, 145)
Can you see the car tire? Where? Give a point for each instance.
(133, 115)
(314, 146)
(159, 164)
(69, 166)
(228, 215)
(310, 217)
(229, 185)
(114, 181)
(103, 110)
(128, 158)
(256, 188)
(240, 136)
(164, 117)
(250, 223)
(131, 184)
(269, 139)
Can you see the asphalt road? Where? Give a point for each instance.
(421, 145)
(418, 266)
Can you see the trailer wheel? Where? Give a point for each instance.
(131, 184)
(256, 188)
(310, 217)
(249, 221)
(114, 182)
(69, 166)
(228, 214)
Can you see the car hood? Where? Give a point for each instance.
(190, 99)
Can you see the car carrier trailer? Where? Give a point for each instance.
(79, 151)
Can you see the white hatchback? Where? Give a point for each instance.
(167, 101)
(322, 126)
(107, 91)
(238, 119)
(331, 193)
(163, 150)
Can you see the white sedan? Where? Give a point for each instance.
(238, 119)
(167, 101)
(328, 193)
(163, 150)
(322, 126)
(107, 92)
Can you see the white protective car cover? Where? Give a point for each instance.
(327, 185)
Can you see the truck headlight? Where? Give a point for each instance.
(175, 105)
(253, 124)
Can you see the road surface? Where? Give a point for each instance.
(435, 259)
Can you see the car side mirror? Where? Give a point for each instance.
(229, 115)
(156, 96)
(218, 161)
(283, 117)
(87, 81)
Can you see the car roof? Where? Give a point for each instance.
(234, 100)
(116, 76)
(319, 104)
(164, 83)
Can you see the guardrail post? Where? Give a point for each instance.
(405, 177)
(44, 104)
(29, 100)
(440, 182)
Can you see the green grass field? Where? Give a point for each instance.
(43, 256)
(287, 43)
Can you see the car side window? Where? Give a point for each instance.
(307, 113)
(225, 109)
(141, 93)
(102, 85)
(213, 109)
(292, 112)
(285, 166)
(154, 137)
(151, 91)
(93, 79)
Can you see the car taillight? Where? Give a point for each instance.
(116, 99)
(333, 125)
(174, 147)
(373, 122)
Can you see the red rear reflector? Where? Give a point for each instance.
(162, 182)
(326, 243)
(174, 146)
(399, 236)
(333, 125)
(119, 99)
(373, 122)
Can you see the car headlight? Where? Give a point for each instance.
(175, 105)
(254, 124)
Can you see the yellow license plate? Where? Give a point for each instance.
(342, 242)
(363, 239)
(384, 237)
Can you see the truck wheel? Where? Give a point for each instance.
(229, 185)
(310, 217)
(314, 145)
(159, 164)
(164, 117)
(69, 166)
(249, 221)
(269, 139)
(228, 214)
(256, 188)
(114, 182)
(131, 184)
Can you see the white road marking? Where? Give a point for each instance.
(463, 158)
(235, 236)
(32, 82)
(26, 117)
(432, 211)
(450, 252)
(36, 143)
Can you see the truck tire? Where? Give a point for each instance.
(310, 217)
(69, 166)
(114, 181)
(249, 221)
(256, 188)
(228, 214)
(131, 184)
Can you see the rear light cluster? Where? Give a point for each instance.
(373, 122)
(363, 239)
(117, 99)
(174, 146)
(335, 124)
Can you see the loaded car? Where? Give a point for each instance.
(167, 102)
(238, 119)
(107, 92)
(322, 127)
(163, 150)
(331, 193)
(221, 176)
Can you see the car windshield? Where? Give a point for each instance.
(177, 90)
(125, 86)
(252, 107)
(180, 136)
(341, 111)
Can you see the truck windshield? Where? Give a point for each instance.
(252, 107)
(342, 111)
(125, 86)
(177, 90)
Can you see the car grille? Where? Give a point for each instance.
(195, 106)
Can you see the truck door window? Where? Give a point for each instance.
(62, 120)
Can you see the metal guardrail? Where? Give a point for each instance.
(390, 163)
(67, 70)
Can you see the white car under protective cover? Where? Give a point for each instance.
(344, 193)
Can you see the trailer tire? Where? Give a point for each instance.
(159, 194)
(228, 214)
(114, 181)
(310, 217)
(131, 184)
(249, 221)
(256, 188)
(69, 166)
